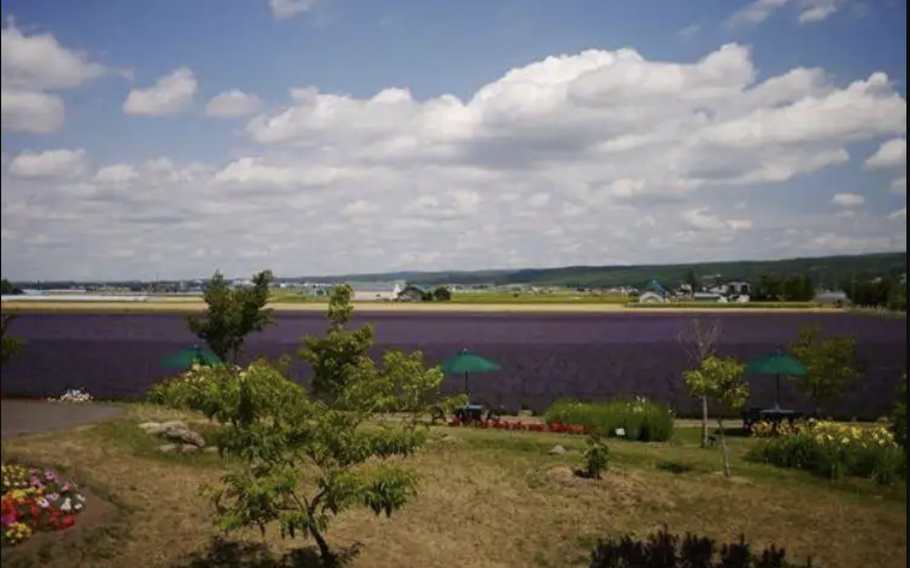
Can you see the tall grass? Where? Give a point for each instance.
(640, 419)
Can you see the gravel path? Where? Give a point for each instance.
(22, 418)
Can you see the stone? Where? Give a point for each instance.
(188, 448)
(558, 450)
(152, 428)
(185, 437)
(168, 448)
(174, 425)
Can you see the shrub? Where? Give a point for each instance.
(186, 390)
(597, 457)
(900, 415)
(664, 550)
(767, 429)
(640, 419)
(834, 451)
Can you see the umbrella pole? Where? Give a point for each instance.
(777, 395)
(466, 386)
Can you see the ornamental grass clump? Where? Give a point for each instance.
(636, 419)
(835, 451)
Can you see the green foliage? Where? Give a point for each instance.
(186, 391)
(788, 288)
(721, 380)
(829, 269)
(641, 419)
(884, 291)
(900, 415)
(10, 346)
(596, 456)
(663, 550)
(302, 460)
(830, 364)
(834, 451)
(232, 314)
(7, 288)
(442, 294)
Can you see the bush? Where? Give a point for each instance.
(640, 419)
(664, 550)
(597, 457)
(900, 415)
(188, 389)
(834, 451)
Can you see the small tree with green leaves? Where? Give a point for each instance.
(722, 381)
(11, 346)
(830, 365)
(700, 343)
(301, 461)
(596, 456)
(232, 314)
(442, 294)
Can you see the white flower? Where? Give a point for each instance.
(77, 507)
(67, 505)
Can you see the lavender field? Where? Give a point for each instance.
(544, 356)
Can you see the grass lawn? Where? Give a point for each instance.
(489, 499)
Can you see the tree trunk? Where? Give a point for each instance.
(328, 559)
(723, 448)
(704, 422)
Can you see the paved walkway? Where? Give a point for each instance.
(21, 417)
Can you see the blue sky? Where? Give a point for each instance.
(714, 161)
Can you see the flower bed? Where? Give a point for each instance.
(36, 499)
(636, 419)
(832, 450)
(554, 427)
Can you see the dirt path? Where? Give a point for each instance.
(21, 418)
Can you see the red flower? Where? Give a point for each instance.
(67, 521)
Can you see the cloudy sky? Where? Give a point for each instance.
(174, 137)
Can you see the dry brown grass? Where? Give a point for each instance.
(184, 306)
(494, 499)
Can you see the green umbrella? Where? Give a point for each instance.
(466, 363)
(186, 358)
(777, 364)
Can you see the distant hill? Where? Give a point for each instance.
(826, 271)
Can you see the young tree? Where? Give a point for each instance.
(830, 364)
(700, 343)
(301, 461)
(232, 314)
(9, 346)
(720, 380)
(442, 294)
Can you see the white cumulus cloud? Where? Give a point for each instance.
(807, 11)
(31, 67)
(848, 200)
(596, 157)
(231, 104)
(52, 164)
(283, 9)
(171, 94)
(891, 155)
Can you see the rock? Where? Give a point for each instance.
(211, 450)
(186, 437)
(168, 448)
(174, 425)
(558, 450)
(188, 448)
(153, 428)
